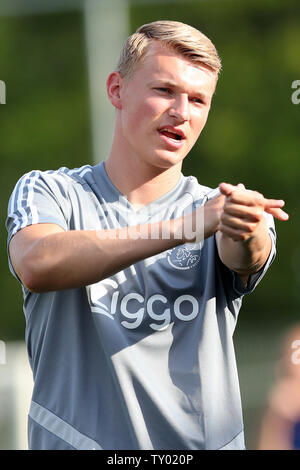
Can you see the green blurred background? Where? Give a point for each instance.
(252, 136)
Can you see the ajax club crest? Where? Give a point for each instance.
(185, 256)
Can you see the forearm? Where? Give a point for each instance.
(77, 258)
(245, 257)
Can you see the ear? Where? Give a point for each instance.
(113, 87)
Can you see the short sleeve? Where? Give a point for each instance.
(38, 197)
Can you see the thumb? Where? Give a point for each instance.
(226, 188)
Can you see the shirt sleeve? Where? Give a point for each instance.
(235, 285)
(38, 197)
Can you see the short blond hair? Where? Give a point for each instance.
(184, 39)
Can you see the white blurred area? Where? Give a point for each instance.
(15, 394)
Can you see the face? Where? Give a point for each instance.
(164, 106)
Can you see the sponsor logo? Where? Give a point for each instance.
(106, 299)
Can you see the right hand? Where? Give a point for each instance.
(212, 214)
(204, 221)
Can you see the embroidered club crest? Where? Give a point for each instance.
(186, 256)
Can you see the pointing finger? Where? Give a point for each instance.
(269, 203)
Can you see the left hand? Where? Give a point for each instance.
(242, 214)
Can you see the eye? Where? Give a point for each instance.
(197, 100)
(164, 90)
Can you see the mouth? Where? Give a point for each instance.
(172, 133)
(172, 137)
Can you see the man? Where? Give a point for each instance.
(129, 313)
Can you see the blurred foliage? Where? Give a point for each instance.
(252, 135)
(45, 123)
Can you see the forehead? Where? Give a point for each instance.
(164, 63)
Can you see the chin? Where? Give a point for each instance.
(168, 159)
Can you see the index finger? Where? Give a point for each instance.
(269, 203)
(246, 197)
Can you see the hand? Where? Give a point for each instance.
(212, 213)
(242, 214)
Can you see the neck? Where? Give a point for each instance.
(139, 181)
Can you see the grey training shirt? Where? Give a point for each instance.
(143, 359)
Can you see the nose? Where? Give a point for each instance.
(180, 108)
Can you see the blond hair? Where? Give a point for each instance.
(184, 39)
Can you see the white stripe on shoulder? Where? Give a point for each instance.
(79, 171)
(87, 170)
(30, 193)
(33, 208)
(18, 196)
(11, 207)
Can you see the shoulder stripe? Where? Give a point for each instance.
(21, 207)
(87, 170)
(32, 207)
(79, 171)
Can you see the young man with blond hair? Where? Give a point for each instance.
(133, 274)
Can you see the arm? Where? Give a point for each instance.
(243, 241)
(47, 258)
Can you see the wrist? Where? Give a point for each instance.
(193, 226)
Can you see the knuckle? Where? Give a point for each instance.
(258, 197)
(252, 227)
(248, 228)
(257, 213)
(234, 196)
(244, 237)
(224, 217)
(257, 194)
